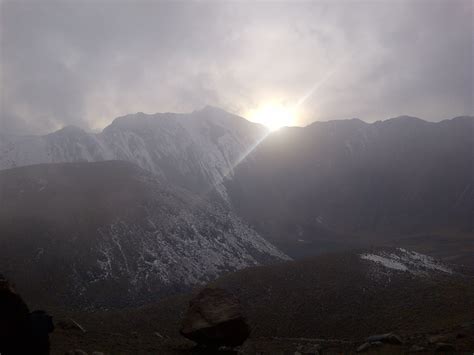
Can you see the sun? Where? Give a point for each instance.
(272, 115)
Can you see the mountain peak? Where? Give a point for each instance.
(405, 118)
(349, 123)
(71, 129)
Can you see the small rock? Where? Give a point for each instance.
(306, 349)
(76, 352)
(159, 335)
(224, 349)
(416, 348)
(247, 348)
(180, 344)
(468, 324)
(70, 324)
(441, 338)
(363, 347)
(445, 347)
(388, 338)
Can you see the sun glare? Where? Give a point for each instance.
(274, 116)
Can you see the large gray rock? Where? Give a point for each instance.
(214, 318)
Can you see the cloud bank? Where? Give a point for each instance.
(86, 62)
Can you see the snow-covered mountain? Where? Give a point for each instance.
(330, 185)
(195, 150)
(110, 233)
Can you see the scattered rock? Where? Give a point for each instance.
(179, 344)
(76, 352)
(468, 324)
(308, 348)
(367, 345)
(416, 348)
(70, 324)
(441, 338)
(214, 318)
(159, 335)
(363, 347)
(248, 347)
(376, 343)
(445, 347)
(225, 349)
(388, 338)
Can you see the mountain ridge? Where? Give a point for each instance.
(102, 234)
(337, 182)
(349, 181)
(196, 150)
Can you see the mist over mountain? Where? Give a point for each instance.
(156, 205)
(196, 150)
(111, 234)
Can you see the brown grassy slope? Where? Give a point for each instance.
(329, 296)
(342, 296)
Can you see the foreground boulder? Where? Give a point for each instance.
(214, 319)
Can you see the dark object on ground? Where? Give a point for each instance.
(215, 319)
(21, 332)
(388, 338)
(41, 325)
(14, 321)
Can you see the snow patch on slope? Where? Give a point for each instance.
(179, 250)
(407, 261)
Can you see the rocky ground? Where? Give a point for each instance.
(459, 340)
(379, 301)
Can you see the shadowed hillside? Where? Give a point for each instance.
(335, 184)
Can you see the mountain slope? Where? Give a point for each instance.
(195, 150)
(330, 185)
(111, 233)
(341, 182)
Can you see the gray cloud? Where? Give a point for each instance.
(86, 62)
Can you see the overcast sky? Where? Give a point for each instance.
(87, 62)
